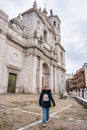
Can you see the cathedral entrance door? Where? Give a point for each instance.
(11, 83)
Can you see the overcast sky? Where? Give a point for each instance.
(73, 16)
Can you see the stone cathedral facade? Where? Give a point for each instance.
(31, 54)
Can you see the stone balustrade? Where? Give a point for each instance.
(82, 101)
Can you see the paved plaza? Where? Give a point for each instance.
(22, 112)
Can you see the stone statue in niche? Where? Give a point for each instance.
(35, 33)
(17, 21)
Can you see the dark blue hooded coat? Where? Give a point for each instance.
(46, 103)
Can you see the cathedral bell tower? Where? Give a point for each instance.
(55, 22)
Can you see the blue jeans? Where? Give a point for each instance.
(45, 114)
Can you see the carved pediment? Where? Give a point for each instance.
(17, 21)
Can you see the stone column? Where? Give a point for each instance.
(40, 76)
(56, 90)
(51, 78)
(34, 74)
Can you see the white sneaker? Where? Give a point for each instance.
(44, 125)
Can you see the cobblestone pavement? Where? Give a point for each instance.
(22, 112)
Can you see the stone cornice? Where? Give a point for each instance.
(2, 31)
(14, 68)
(41, 51)
(3, 16)
(20, 43)
(62, 68)
(60, 46)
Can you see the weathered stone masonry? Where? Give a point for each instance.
(31, 54)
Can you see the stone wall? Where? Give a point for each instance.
(29, 41)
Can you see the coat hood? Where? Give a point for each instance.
(46, 91)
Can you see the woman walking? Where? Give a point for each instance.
(45, 101)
